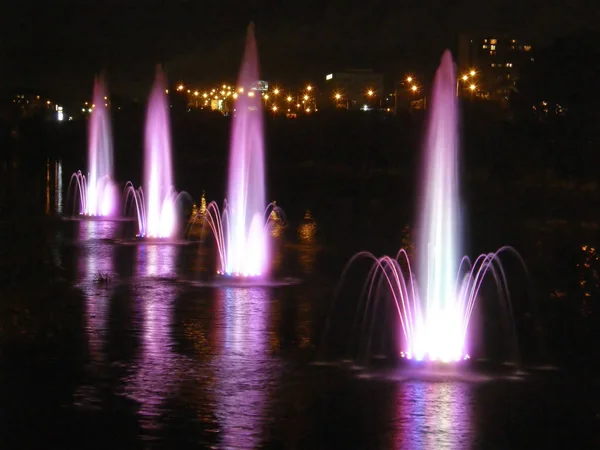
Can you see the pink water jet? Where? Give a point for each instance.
(240, 229)
(96, 193)
(155, 203)
(436, 303)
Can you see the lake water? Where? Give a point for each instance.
(168, 361)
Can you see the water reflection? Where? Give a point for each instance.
(94, 230)
(157, 260)
(95, 272)
(244, 371)
(54, 187)
(434, 415)
(156, 369)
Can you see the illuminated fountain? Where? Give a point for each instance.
(96, 194)
(155, 203)
(240, 229)
(435, 305)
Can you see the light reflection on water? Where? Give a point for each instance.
(156, 370)
(434, 415)
(94, 261)
(157, 260)
(244, 369)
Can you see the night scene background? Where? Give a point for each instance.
(113, 340)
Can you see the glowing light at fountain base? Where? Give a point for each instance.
(239, 275)
(433, 359)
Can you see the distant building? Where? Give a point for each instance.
(497, 60)
(355, 89)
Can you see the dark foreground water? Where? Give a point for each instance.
(165, 361)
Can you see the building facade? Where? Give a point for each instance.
(496, 60)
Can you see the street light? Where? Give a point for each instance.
(409, 79)
(276, 91)
(464, 78)
(274, 108)
(472, 89)
(414, 88)
(309, 88)
(370, 93)
(289, 98)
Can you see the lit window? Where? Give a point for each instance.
(514, 41)
(493, 41)
(493, 65)
(492, 47)
(527, 48)
(484, 46)
(485, 40)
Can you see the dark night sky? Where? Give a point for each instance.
(58, 45)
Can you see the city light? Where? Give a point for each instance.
(465, 77)
(409, 79)
(180, 87)
(338, 96)
(274, 108)
(472, 87)
(235, 95)
(472, 72)
(309, 88)
(196, 93)
(414, 88)
(289, 98)
(305, 97)
(370, 92)
(276, 91)
(250, 94)
(266, 96)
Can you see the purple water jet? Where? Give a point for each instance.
(435, 304)
(155, 202)
(96, 194)
(240, 229)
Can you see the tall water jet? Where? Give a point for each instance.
(155, 202)
(240, 230)
(97, 194)
(435, 305)
(438, 243)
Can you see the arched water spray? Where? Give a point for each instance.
(435, 303)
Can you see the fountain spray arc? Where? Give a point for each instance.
(241, 229)
(97, 193)
(435, 305)
(155, 202)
